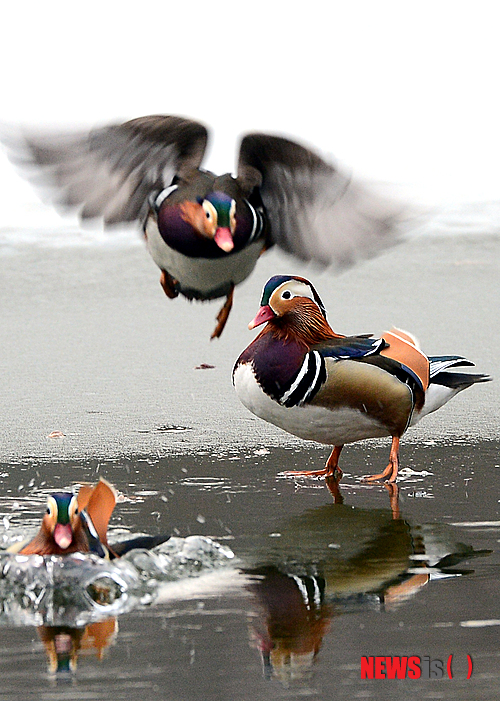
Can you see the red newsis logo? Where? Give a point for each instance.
(408, 668)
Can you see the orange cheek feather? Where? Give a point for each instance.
(194, 214)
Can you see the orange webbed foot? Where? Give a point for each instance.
(331, 468)
(391, 471)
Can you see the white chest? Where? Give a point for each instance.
(315, 423)
(206, 276)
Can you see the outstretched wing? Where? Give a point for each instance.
(110, 171)
(316, 211)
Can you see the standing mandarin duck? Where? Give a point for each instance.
(79, 523)
(319, 385)
(206, 232)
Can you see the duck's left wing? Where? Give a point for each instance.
(316, 211)
(109, 172)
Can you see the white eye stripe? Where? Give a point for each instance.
(232, 217)
(296, 288)
(210, 210)
(73, 507)
(52, 506)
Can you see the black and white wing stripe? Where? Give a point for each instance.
(312, 590)
(443, 362)
(312, 373)
(354, 347)
(307, 381)
(259, 221)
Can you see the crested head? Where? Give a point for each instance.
(63, 506)
(293, 308)
(75, 523)
(286, 287)
(61, 519)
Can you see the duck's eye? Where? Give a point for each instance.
(52, 507)
(286, 295)
(210, 211)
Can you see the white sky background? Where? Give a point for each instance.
(399, 91)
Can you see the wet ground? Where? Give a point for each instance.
(92, 349)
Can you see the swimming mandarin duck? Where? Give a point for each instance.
(206, 232)
(319, 385)
(79, 523)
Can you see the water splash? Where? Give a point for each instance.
(81, 588)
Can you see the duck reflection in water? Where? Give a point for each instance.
(326, 562)
(332, 482)
(333, 560)
(63, 644)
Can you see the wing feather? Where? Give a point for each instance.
(316, 211)
(110, 171)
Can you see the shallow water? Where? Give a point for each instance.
(91, 349)
(245, 631)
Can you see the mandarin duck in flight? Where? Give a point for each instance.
(319, 385)
(79, 523)
(206, 232)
